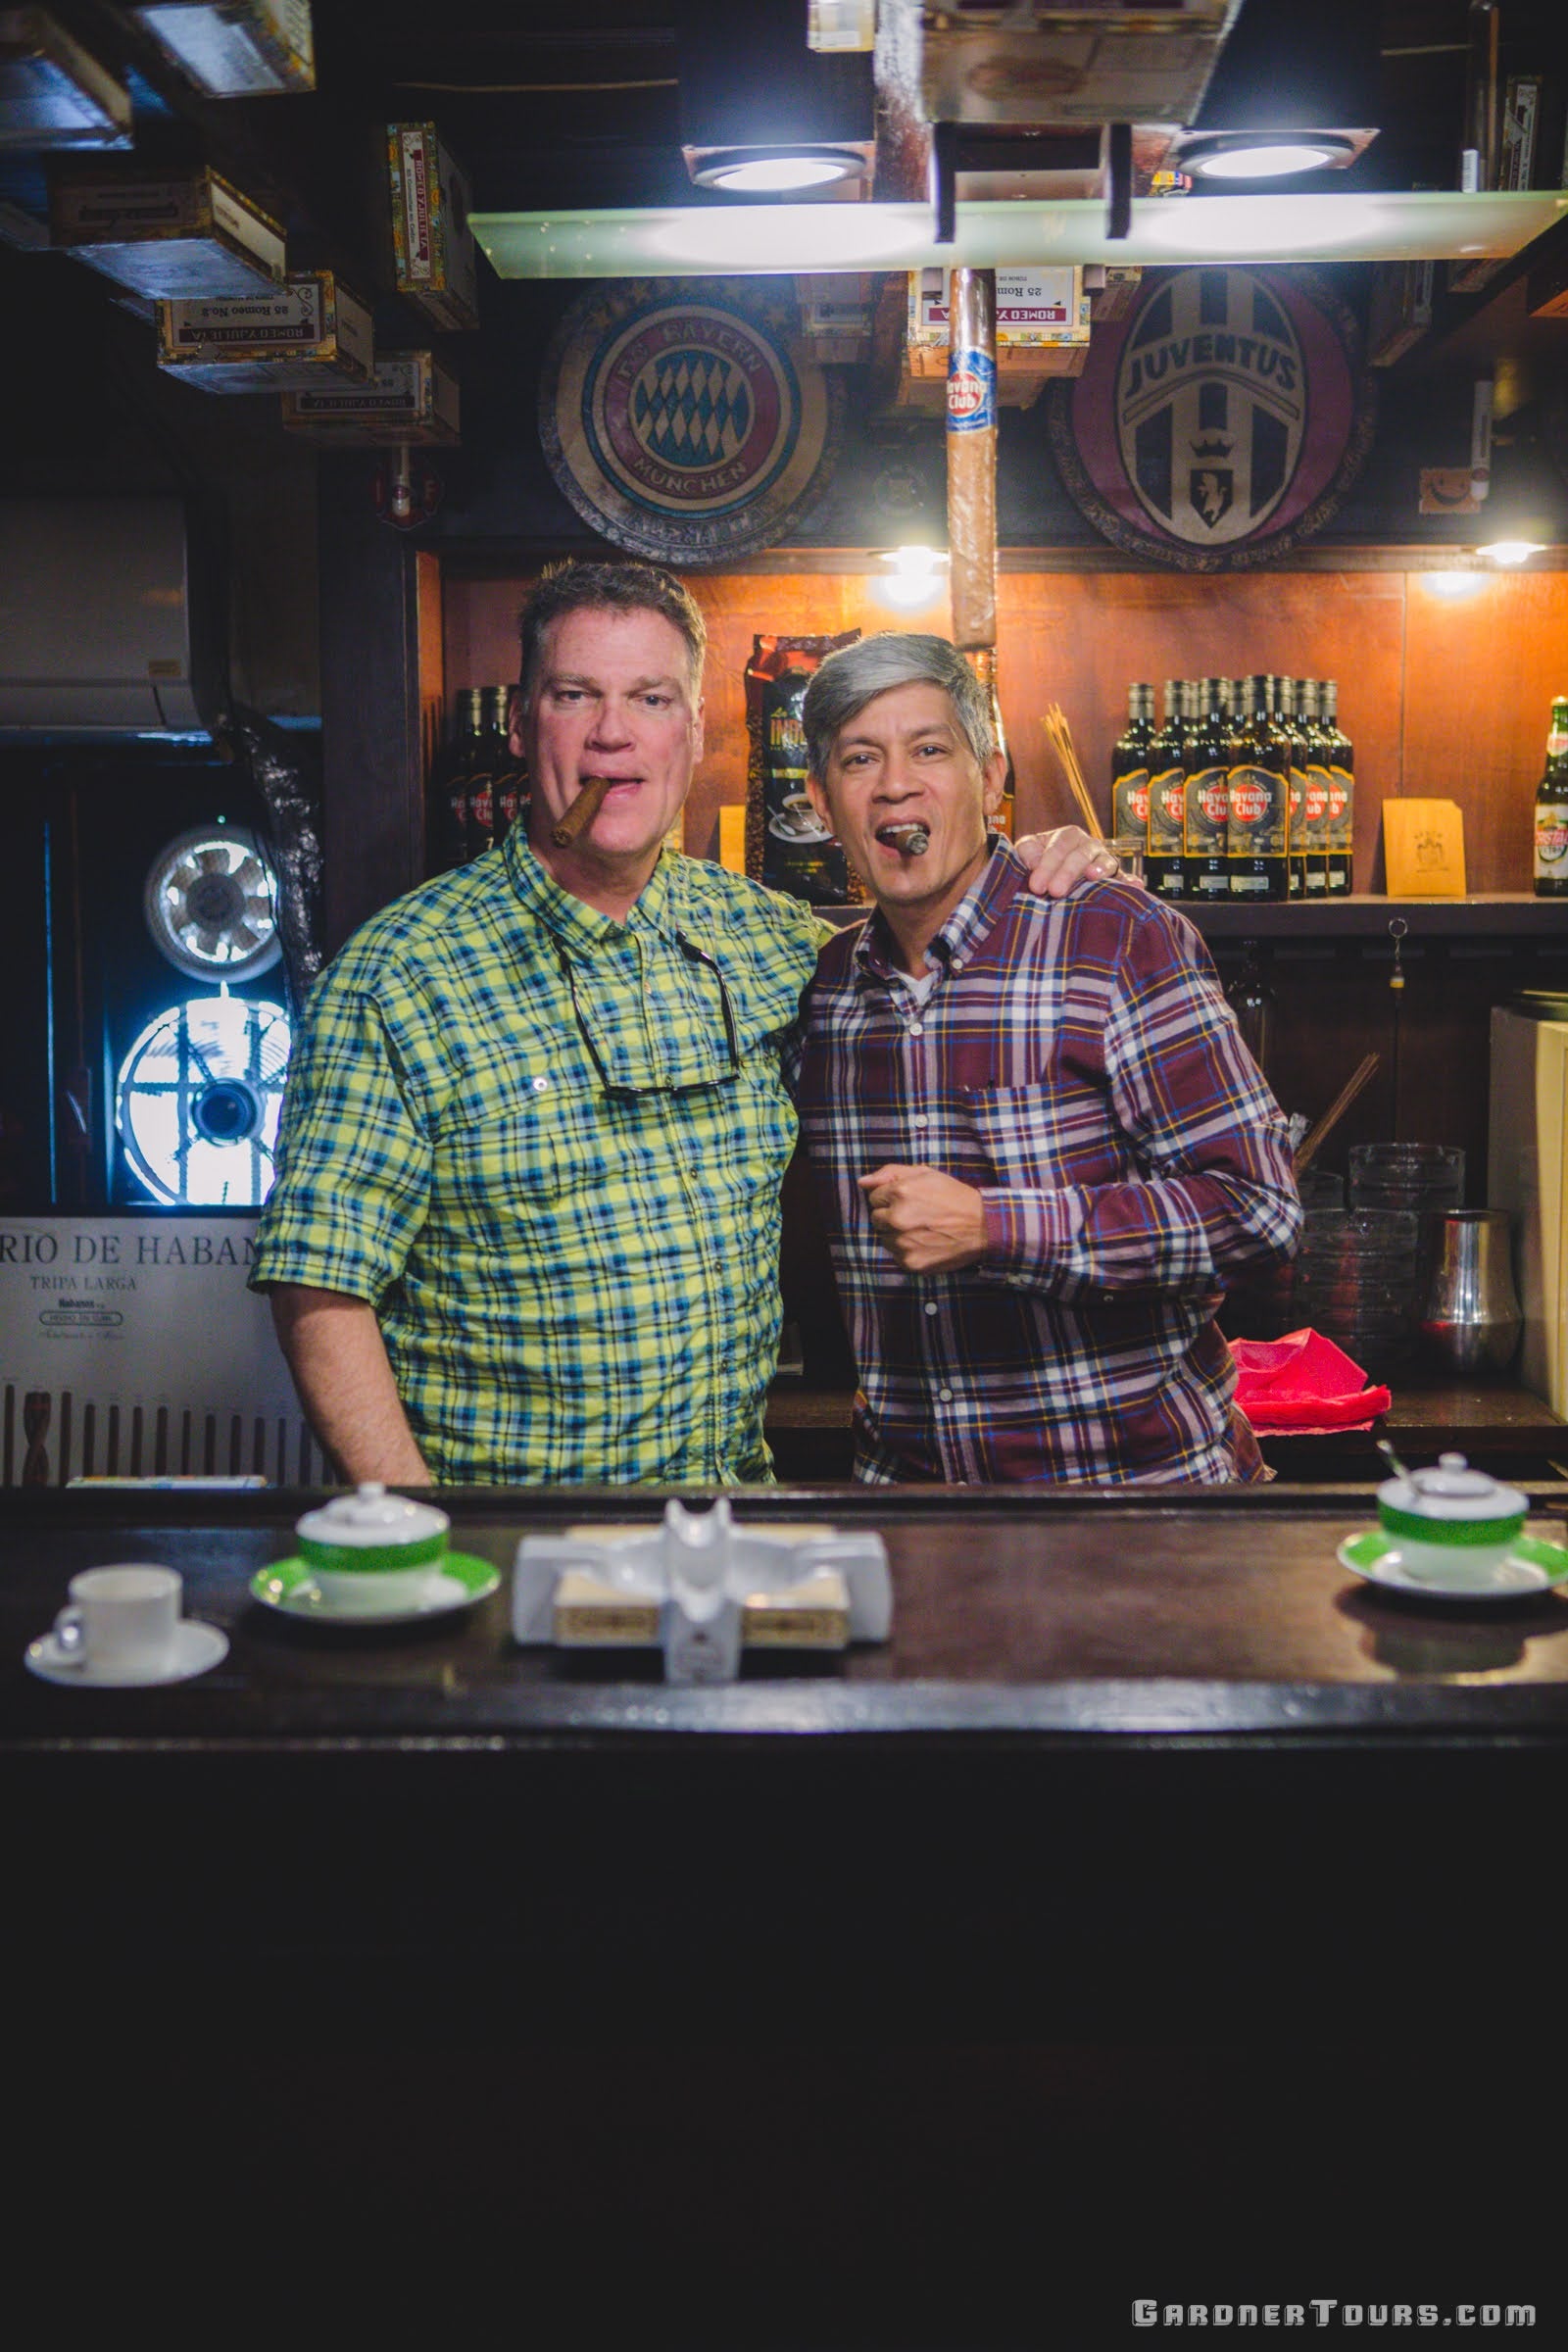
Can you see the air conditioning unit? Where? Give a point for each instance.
(109, 625)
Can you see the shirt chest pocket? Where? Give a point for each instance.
(508, 1154)
(1041, 1138)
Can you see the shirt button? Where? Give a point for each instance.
(931, 1308)
(920, 1119)
(917, 1029)
(945, 1396)
(539, 1085)
(958, 962)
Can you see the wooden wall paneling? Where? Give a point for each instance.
(1481, 670)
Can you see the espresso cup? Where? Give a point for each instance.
(122, 1619)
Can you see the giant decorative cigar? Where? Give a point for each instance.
(584, 809)
(972, 457)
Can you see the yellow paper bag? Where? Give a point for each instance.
(1423, 849)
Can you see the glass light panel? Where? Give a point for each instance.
(1309, 225)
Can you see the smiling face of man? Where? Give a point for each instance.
(904, 760)
(613, 696)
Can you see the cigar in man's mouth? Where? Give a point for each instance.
(584, 809)
(914, 839)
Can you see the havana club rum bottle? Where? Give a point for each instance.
(1258, 790)
(1341, 793)
(1168, 776)
(1315, 849)
(1206, 803)
(1129, 769)
(1551, 810)
(1287, 728)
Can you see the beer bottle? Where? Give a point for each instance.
(1205, 800)
(1342, 793)
(1314, 793)
(1129, 769)
(1258, 804)
(1283, 730)
(447, 814)
(1162, 865)
(1551, 810)
(983, 661)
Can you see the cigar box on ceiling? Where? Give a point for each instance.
(235, 48)
(1073, 61)
(433, 254)
(167, 235)
(52, 93)
(409, 398)
(1042, 319)
(311, 332)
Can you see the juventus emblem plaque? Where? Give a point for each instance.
(1221, 422)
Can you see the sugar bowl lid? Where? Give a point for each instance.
(1449, 1491)
(374, 1529)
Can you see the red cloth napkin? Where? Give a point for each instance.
(1304, 1383)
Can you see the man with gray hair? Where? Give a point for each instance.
(1043, 1147)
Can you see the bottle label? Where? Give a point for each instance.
(1551, 840)
(1129, 804)
(971, 392)
(1315, 802)
(1167, 811)
(1556, 744)
(1342, 790)
(1206, 812)
(1258, 812)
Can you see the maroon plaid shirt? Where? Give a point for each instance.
(1078, 1065)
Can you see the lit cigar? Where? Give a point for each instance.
(912, 840)
(584, 809)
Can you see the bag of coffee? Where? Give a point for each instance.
(787, 844)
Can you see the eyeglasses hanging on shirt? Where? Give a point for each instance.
(684, 1054)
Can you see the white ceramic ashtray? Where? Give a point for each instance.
(701, 1589)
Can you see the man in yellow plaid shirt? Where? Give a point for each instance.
(527, 1217)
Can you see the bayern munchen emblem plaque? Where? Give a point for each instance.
(1221, 422)
(680, 423)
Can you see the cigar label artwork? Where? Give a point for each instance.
(912, 840)
(580, 815)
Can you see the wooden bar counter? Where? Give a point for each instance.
(1155, 1856)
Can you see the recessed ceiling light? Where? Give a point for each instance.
(777, 171)
(1261, 154)
(1513, 551)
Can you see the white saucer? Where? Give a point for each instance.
(289, 1588)
(197, 1646)
(1531, 1565)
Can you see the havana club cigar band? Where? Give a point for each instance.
(971, 439)
(912, 840)
(580, 815)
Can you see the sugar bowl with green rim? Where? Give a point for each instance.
(371, 1550)
(1452, 1523)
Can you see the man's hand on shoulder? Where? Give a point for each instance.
(1058, 862)
(932, 1223)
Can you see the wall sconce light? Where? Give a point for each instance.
(910, 579)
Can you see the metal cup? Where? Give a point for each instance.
(1471, 1317)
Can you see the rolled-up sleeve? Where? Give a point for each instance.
(354, 1159)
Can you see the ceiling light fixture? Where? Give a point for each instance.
(777, 170)
(1263, 154)
(1511, 552)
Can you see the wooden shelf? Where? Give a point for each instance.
(1504, 915)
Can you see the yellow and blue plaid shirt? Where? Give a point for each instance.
(547, 1148)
